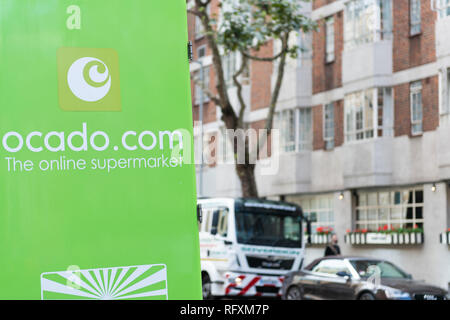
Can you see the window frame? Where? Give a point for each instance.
(329, 140)
(342, 262)
(329, 40)
(443, 8)
(304, 144)
(415, 17)
(284, 123)
(199, 29)
(229, 62)
(313, 204)
(380, 127)
(202, 47)
(223, 223)
(416, 89)
(390, 207)
(367, 132)
(357, 13)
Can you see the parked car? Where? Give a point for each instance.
(350, 278)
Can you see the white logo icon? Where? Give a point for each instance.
(89, 79)
(106, 283)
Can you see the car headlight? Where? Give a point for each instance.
(397, 294)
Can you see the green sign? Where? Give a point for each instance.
(97, 182)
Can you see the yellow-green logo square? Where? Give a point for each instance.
(88, 79)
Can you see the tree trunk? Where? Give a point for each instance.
(246, 174)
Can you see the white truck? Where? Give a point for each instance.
(248, 245)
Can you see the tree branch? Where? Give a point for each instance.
(265, 59)
(194, 12)
(228, 114)
(239, 91)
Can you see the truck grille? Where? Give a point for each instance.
(270, 263)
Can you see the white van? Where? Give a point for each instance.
(248, 245)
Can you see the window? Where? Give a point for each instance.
(305, 129)
(416, 108)
(366, 269)
(201, 52)
(229, 67)
(222, 222)
(328, 126)
(393, 208)
(285, 122)
(199, 93)
(305, 48)
(444, 8)
(444, 91)
(385, 112)
(318, 209)
(268, 229)
(331, 267)
(329, 39)
(199, 28)
(295, 127)
(359, 112)
(414, 17)
(367, 21)
(207, 214)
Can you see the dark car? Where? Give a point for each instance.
(350, 278)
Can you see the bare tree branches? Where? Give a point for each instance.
(238, 85)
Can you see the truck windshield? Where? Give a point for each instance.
(268, 229)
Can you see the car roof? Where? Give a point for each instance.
(353, 258)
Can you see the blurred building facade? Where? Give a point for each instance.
(364, 120)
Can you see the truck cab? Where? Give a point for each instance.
(248, 245)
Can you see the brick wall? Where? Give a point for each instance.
(320, 3)
(402, 112)
(260, 78)
(430, 105)
(411, 51)
(328, 76)
(317, 118)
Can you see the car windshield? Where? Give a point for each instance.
(269, 229)
(368, 268)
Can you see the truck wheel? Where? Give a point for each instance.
(294, 293)
(206, 287)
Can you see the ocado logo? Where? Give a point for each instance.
(89, 79)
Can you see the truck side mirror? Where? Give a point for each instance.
(199, 213)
